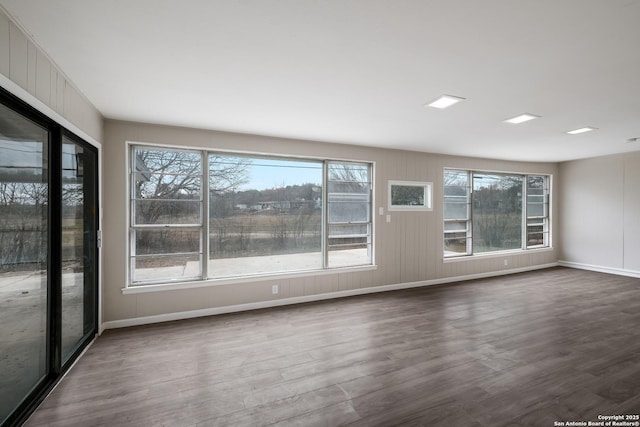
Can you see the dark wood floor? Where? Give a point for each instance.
(520, 350)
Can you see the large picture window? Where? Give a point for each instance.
(265, 215)
(199, 215)
(490, 212)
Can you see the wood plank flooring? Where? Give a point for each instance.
(520, 350)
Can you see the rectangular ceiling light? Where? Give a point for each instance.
(581, 130)
(445, 101)
(525, 117)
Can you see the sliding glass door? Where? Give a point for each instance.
(48, 254)
(79, 203)
(24, 223)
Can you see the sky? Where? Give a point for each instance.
(267, 173)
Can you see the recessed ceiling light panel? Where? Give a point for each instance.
(445, 101)
(521, 118)
(581, 130)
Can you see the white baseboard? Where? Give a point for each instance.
(600, 269)
(308, 298)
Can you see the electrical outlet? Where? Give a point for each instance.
(506, 262)
(388, 218)
(274, 289)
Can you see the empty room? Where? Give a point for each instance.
(319, 213)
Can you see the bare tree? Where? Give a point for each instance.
(23, 224)
(226, 176)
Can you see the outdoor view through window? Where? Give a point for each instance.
(490, 212)
(259, 215)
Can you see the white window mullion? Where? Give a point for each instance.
(470, 213)
(325, 216)
(204, 196)
(525, 212)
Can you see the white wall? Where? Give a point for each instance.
(408, 249)
(599, 217)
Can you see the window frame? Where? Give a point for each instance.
(134, 227)
(525, 217)
(327, 247)
(468, 219)
(57, 362)
(427, 196)
(544, 218)
(205, 278)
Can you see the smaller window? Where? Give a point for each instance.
(349, 188)
(537, 211)
(410, 196)
(166, 215)
(457, 213)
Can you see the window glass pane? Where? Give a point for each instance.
(265, 215)
(167, 187)
(455, 226)
(456, 244)
(349, 212)
(150, 161)
(349, 201)
(348, 230)
(536, 222)
(349, 236)
(165, 184)
(537, 234)
(167, 212)
(149, 268)
(341, 257)
(535, 195)
(24, 223)
(456, 210)
(456, 183)
(167, 241)
(357, 174)
(349, 244)
(353, 242)
(536, 209)
(79, 224)
(456, 194)
(535, 239)
(358, 190)
(497, 212)
(536, 182)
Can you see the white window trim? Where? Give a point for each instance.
(427, 188)
(497, 254)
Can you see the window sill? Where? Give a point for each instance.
(157, 287)
(500, 254)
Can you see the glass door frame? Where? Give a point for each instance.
(55, 366)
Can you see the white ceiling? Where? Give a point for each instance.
(360, 71)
